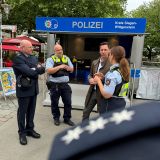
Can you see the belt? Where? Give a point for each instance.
(58, 83)
(118, 97)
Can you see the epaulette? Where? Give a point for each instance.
(65, 56)
(115, 69)
(51, 55)
(18, 54)
(118, 70)
(114, 135)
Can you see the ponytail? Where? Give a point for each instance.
(118, 53)
(124, 69)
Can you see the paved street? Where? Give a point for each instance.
(36, 148)
(8, 108)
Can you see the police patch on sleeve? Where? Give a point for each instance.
(107, 82)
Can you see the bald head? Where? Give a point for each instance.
(58, 50)
(26, 47)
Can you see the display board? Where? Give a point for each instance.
(7, 81)
(91, 25)
(1, 89)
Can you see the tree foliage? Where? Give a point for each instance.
(150, 11)
(24, 12)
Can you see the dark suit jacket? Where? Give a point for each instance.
(23, 65)
(104, 69)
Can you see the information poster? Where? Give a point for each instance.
(7, 81)
(1, 89)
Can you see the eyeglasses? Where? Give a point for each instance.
(31, 47)
(58, 50)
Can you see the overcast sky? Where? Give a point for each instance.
(133, 4)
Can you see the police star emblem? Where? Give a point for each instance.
(107, 82)
(73, 134)
(124, 115)
(48, 24)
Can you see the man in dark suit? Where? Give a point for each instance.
(99, 65)
(26, 69)
(131, 134)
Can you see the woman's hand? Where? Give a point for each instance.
(100, 75)
(91, 81)
(96, 79)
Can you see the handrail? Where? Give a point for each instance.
(132, 81)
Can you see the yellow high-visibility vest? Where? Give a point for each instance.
(124, 90)
(56, 59)
(124, 86)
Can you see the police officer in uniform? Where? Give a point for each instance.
(130, 134)
(116, 81)
(58, 67)
(26, 69)
(93, 96)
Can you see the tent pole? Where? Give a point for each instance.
(1, 63)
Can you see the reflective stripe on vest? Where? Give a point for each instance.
(124, 85)
(124, 89)
(57, 59)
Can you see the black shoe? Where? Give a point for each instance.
(57, 122)
(33, 134)
(22, 139)
(69, 122)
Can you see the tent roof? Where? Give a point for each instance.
(9, 47)
(40, 38)
(17, 41)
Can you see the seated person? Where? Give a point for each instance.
(8, 63)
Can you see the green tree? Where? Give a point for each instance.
(24, 12)
(150, 11)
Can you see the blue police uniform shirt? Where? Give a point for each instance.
(63, 79)
(112, 79)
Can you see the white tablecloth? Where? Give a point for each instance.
(149, 84)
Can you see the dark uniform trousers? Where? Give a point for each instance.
(26, 113)
(63, 90)
(111, 104)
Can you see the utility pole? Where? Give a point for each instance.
(6, 8)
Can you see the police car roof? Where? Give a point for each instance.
(128, 134)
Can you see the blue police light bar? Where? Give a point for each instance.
(91, 25)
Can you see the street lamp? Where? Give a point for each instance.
(6, 8)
